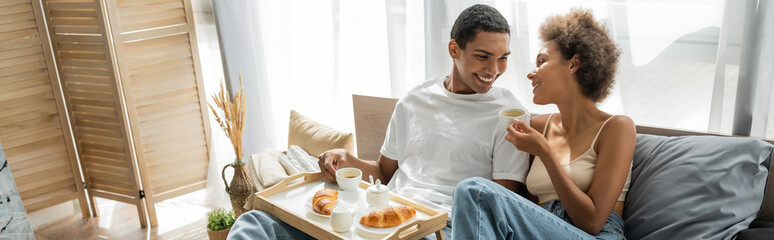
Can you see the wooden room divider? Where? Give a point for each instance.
(131, 88)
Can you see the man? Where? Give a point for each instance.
(441, 132)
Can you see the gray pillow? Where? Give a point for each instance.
(695, 187)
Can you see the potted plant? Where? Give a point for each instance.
(232, 121)
(219, 223)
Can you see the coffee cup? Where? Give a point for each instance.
(341, 219)
(508, 114)
(348, 178)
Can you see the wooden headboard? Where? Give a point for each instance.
(372, 115)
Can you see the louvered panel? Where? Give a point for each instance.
(48, 176)
(163, 170)
(175, 181)
(72, 13)
(11, 134)
(50, 198)
(74, 70)
(158, 59)
(18, 8)
(33, 162)
(7, 3)
(83, 63)
(107, 187)
(56, 171)
(63, 184)
(35, 73)
(160, 154)
(93, 129)
(21, 93)
(97, 111)
(90, 88)
(159, 114)
(193, 138)
(19, 69)
(95, 118)
(114, 180)
(113, 165)
(167, 101)
(40, 156)
(133, 8)
(105, 166)
(93, 102)
(8, 36)
(145, 17)
(149, 72)
(163, 89)
(88, 79)
(167, 71)
(22, 84)
(21, 108)
(27, 64)
(30, 138)
(113, 156)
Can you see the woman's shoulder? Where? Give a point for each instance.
(621, 122)
(539, 121)
(618, 127)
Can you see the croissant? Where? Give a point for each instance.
(389, 216)
(324, 200)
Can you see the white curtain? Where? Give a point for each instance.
(756, 75)
(681, 64)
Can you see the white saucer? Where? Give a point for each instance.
(350, 200)
(372, 230)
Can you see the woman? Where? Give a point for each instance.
(583, 155)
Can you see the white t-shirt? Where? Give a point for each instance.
(440, 138)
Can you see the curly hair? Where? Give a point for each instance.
(478, 17)
(577, 33)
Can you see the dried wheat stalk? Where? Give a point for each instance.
(233, 120)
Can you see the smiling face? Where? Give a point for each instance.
(552, 76)
(482, 61)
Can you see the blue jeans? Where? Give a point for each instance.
(485, 210)
(260, 225)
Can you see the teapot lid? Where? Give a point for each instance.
(377, 188)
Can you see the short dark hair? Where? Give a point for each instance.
(578, 33)
(476, 18)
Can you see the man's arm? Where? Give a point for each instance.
(382, 169)
(335, 159)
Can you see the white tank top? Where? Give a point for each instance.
(580, 170)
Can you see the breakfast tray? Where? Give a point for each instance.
(286, 200)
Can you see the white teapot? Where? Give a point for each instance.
(377, 195)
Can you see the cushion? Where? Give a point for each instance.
(316, 138)
(267, 167)
(695, 187)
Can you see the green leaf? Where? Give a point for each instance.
(220, 219)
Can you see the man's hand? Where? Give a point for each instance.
(333, 160)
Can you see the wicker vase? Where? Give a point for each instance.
(241, 187)
(218, 235)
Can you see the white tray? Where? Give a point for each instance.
(286, 201)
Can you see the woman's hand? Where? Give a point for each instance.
(526, 138)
